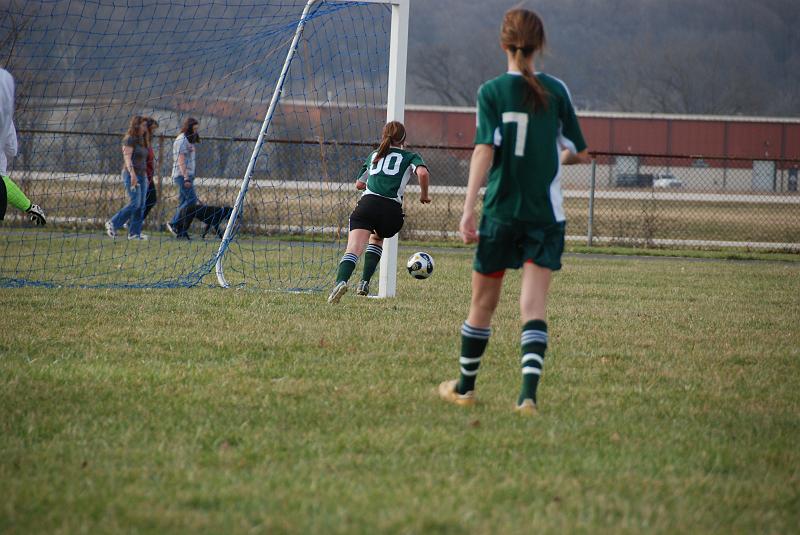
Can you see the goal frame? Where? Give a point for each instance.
(395, 111)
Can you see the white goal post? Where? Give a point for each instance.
(395, 111)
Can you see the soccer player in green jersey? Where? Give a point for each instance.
(526, 129)
(379, 213)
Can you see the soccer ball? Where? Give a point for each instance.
(420, 265)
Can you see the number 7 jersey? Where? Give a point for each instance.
(389, 176)
(524, 181)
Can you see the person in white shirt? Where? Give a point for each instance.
(183, 166)
(9, 191)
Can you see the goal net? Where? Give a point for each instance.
(83, 69)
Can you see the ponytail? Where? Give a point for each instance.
(522, 34)
(536, 94)
(393, 133)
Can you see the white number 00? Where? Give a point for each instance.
(390, 164)
(522, 129)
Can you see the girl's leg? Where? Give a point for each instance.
(137, 216)
(135, 227)
(151, 201)
(476, 330)
(533, 308)
(182, 197)
(356, 241)
(371, 260)
(485, 297)
(124, 214)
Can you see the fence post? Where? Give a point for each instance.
(590, 226)
(160, 188)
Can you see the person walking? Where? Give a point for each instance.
(527, 128)
(183, 175)
(134, 176)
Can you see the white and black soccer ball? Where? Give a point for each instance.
(420, 265)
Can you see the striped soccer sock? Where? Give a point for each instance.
(371, 259)
(346, 266)
(534, 344)
(473, 344)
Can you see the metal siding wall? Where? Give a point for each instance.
(792, 141)
(698, 138)
(754, 140)
(640, 136)
(595, 131)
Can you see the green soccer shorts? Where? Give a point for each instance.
(507, 245)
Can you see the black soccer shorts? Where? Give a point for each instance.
(380, 215)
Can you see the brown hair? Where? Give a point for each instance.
(133, 127)
(522, 34)
(148, 135)
(394, 133)
(188, 130)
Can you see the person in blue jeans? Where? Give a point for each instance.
(134, 174)
(183, 173)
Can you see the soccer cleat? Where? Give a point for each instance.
(363, 288)
(172, 230)
(447, 391)
(110, 230)
(142, 237)
(36, 215)
(526, 408)
(338, 291)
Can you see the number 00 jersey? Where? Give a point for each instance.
(524, 181)
(388, 176)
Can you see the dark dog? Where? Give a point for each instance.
(212, 216)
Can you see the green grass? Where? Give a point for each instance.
(670, 403)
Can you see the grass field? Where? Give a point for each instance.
(670, 403)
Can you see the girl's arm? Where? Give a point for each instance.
(424, 179)
(127, 155)
(571, 158)
(478, 168)
(182, 166)
(361, 181)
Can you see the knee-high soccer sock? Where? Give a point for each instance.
(346, 266)
(15, 197)
(534, 344)
(473, 344)
(371, 260)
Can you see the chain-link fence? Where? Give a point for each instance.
(662, 200)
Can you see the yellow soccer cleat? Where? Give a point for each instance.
(527, 408)
(447, 391)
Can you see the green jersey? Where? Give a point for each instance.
(524, 181)
(388, 176)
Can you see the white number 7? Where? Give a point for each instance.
(522, 129)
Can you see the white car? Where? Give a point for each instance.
(667, 180)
